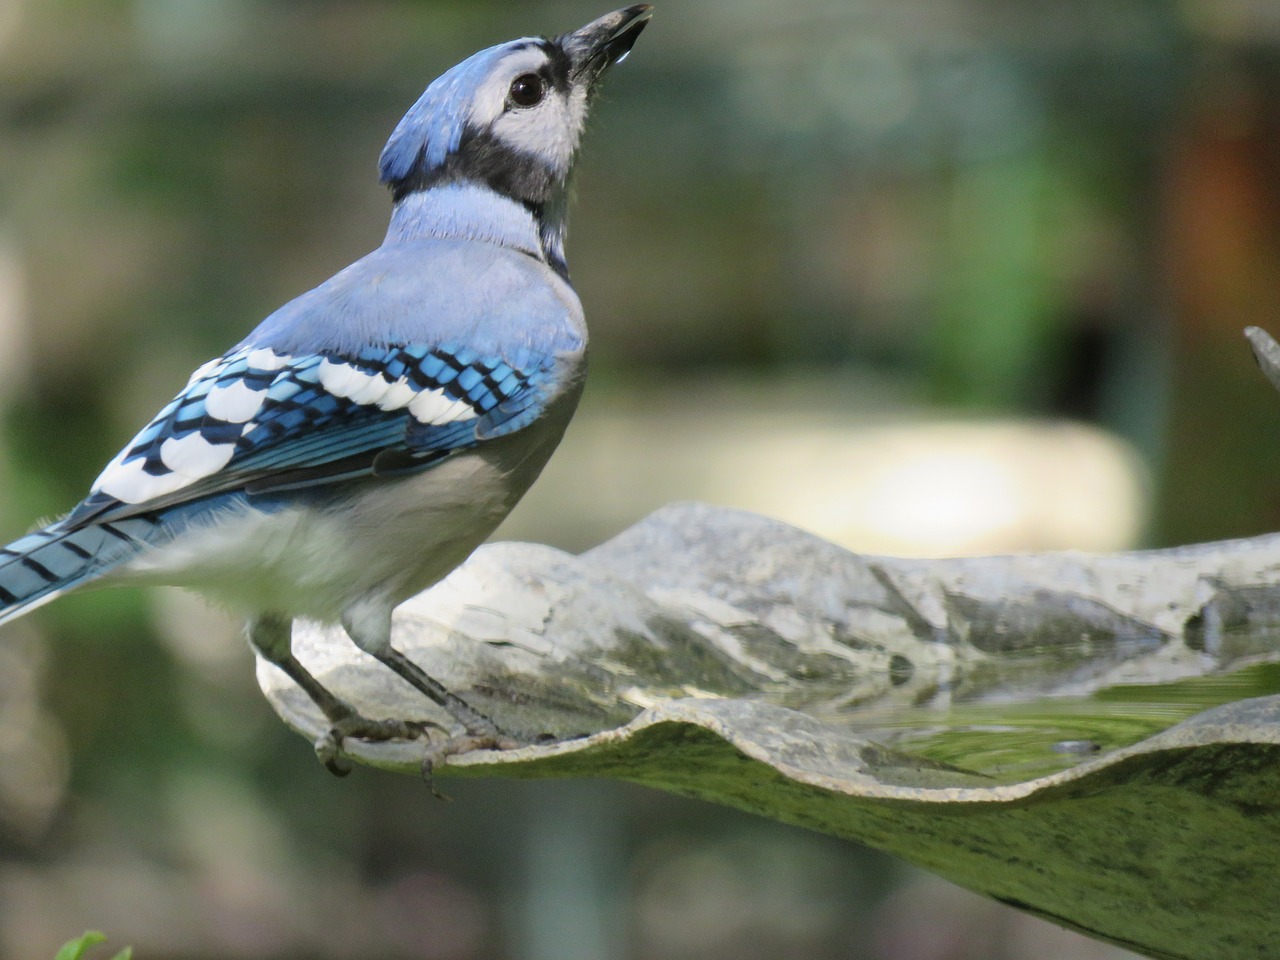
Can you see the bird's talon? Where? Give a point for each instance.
(329, 745)
(429, 778)
(456, 746)
(338, 767)
(329, 753)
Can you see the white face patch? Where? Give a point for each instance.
(490, 100)
(549, 130)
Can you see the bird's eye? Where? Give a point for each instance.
(526, 90)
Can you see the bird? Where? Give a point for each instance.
(368, 435)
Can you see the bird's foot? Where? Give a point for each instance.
(329, 745)
(482, 739)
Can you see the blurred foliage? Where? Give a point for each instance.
(77, 948)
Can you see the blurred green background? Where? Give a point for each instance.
(925, 276)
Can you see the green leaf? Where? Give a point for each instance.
(75, 949)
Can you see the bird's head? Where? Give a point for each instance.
(509, 117)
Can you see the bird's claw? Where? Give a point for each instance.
(455, 746)
(481, 737)
(329, 745)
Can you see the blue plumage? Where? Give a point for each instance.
(48, 562)
(292, 418)
(433, 127)
(369, 434)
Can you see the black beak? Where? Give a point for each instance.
(593, 49)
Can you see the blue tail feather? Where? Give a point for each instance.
(45, 564)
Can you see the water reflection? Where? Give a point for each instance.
(1019, 739)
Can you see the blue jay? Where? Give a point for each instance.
(367, 436)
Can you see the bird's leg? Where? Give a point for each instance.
(369, 627)
(269, 635)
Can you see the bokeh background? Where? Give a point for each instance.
(923, 276)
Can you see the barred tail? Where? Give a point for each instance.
(46, 564)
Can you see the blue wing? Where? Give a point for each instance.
(259, 421)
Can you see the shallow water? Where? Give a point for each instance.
(1016, 740)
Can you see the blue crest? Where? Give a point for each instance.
(433, 127)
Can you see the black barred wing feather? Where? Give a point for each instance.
(259, 421)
